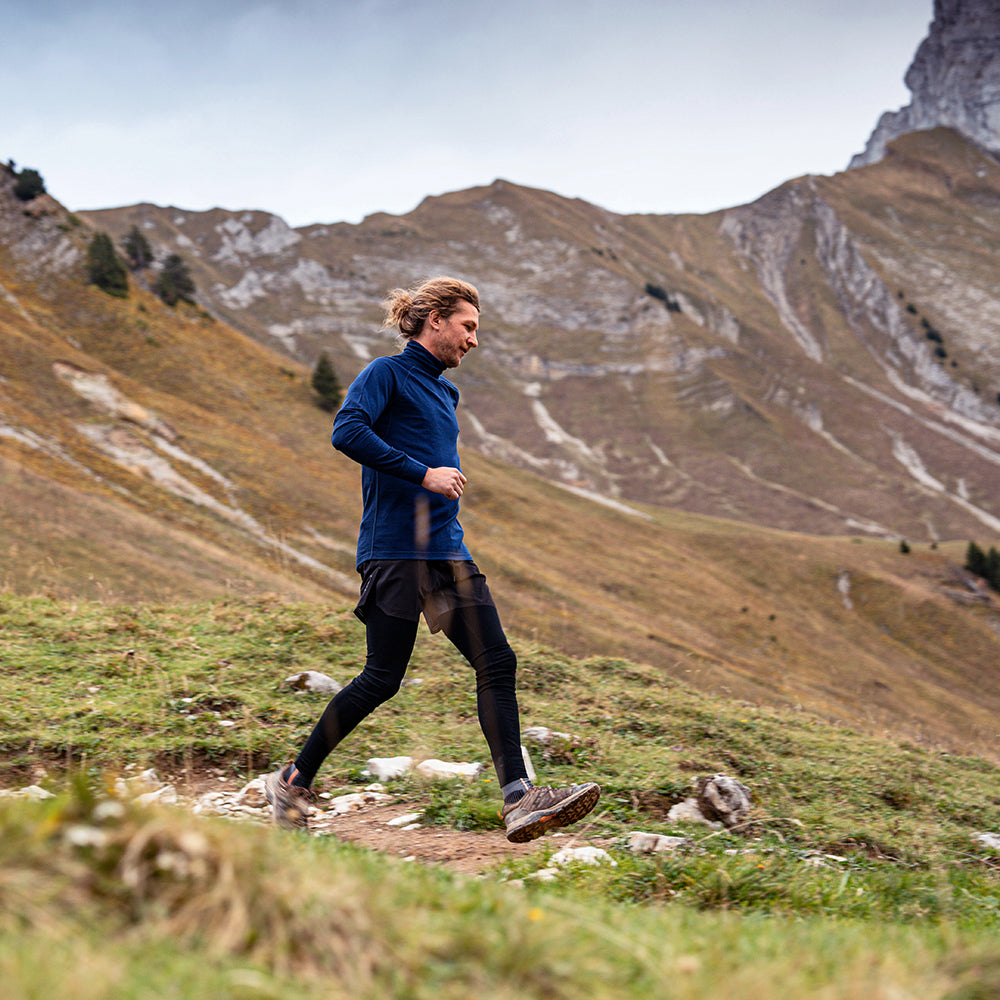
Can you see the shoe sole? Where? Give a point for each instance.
(541, 821)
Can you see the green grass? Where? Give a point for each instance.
(856, 875)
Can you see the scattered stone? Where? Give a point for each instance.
(723, 799)
(252, 795)
(165, 795)
(433, 768)
(544, 735)
(81, 835)
(544, 875)
(583, 855)
(689, 812)
(654, 843)
(387, 768)
(408, 821)
(313, 680)
(356, 800)
(34, 792)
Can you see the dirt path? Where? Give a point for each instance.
(471, 852)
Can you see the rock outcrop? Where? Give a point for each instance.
(954, 79)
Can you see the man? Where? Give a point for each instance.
(398, 422)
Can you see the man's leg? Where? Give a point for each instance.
(478, 635)
(390, 643)
(528, 812)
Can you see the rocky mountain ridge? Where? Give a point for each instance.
(954, 79)
(824, 359)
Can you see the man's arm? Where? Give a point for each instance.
(353, 434)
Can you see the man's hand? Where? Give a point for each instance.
(446, 481)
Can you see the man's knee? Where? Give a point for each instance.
(376, 688)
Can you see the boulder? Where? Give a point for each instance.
(723, 799)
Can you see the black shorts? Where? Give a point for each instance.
(403, 588)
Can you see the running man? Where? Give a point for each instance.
(398, 422)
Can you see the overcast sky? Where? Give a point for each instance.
(329, 110)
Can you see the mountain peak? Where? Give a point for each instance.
(954, 79)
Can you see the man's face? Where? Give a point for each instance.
(449, 340)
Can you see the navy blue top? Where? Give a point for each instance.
(398, 419)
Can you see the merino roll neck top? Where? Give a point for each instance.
(397, 420)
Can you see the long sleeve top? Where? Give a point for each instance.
(397, 420)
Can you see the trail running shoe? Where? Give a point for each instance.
(543, 809)
(290, 803)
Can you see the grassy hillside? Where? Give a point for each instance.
(857, 875)
(725, 606)
(156, 454)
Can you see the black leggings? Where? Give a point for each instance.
(478, 635)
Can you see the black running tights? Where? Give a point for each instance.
(478, 635)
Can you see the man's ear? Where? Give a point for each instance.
(434, 318)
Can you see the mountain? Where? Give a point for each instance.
(823, 360)
(954, 79)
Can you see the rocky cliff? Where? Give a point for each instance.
(954, 79)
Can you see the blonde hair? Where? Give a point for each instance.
(407, 309)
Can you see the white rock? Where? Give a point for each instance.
(36, 793)
(164, 795)
(80, 835)
(405, 820)
(387, 768)
(313, 680)
(688, 812)
(252, 794)
(433, 768)
(544, 875)
(356, 800)
(583, 855)
(653, 843)
(544, 735)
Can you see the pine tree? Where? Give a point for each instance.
(975, 560)
(29, 184)
(175, 282)
(138, 252)
(104, 267)
(326, 383)
(993, 569)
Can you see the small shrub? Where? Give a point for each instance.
(29, 184)
(657, 292)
